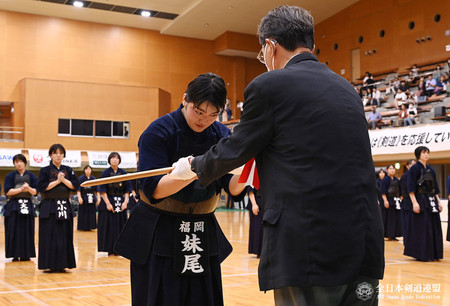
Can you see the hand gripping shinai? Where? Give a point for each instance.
(127, 177)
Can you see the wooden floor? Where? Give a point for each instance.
(103, 280)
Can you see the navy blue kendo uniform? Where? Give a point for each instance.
(19, 217)
(426, 231)
(175, 244)
(87, 213)
(110, 223)
(406, 208)
(393, 220)
(56, 250)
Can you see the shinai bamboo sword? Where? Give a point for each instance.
(127, 177)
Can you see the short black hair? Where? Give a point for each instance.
(55, 147)
(114, 154)
(390, 165)
(207, 87)
(20, 157)
(378, 173)
(291, 26)
(85, 167)
(419, 151)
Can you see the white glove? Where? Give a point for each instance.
(182, 169)
(237, 171)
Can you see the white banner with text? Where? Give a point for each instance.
(100, 159)
(40, 158)
(404, 140)
(6, 157)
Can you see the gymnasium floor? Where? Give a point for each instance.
(103, 280)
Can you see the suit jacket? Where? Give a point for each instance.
(305, 126)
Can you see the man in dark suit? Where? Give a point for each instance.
(323, 235)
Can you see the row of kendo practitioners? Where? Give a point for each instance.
(55, 183)
(410, 208)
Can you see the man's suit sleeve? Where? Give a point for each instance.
(250, 136)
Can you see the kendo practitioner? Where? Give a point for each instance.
(381, 174)
(448, 208)
(426, 231)
(172, 237)
(88, 200)
(323, 235)
(255, 207)
(406, 205)
(56, 182)
(134, 196)
(112, 211)
(20, 186)
(390, 192)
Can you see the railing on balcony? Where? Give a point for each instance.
(11, 134)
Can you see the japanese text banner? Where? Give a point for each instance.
(404, 140)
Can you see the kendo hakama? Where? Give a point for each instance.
(426, 240)
(406, 209)
(392, 219)
(383, 209)
(448, 207)
(19, 216)
(110, 223)
(87, 212)
(56, 251)
(256, 226)
(161, 237)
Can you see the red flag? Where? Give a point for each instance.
(249, 174)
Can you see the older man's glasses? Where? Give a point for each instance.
(260, 55)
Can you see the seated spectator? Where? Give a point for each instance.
(228, 110)
(376, 97)
(393, 85)
(373, 118)
(367, 77)
(421, 88)
(368, 81)
(430, 85)
(444, 83)
(404, 87)
(412, 114)
(402, 115)
(415, 71)
(364, 96)
(411, 79)
(437, 72)
(439, 86)
(399, 98)
(446, 68)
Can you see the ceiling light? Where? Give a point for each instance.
(145, 14)
(78, 3)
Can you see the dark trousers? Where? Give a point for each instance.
(362, 292)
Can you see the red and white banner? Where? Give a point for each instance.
(40, 158)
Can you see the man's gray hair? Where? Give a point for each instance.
(290, 26)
